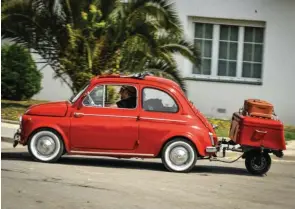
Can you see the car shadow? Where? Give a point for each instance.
(202, 170)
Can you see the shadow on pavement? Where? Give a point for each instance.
(203, 170)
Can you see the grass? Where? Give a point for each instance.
(224, 126)
(290, 132)
(11, 110)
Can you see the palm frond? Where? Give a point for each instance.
(184, 48)
(161, 68)
(162, 10)
(136, 36)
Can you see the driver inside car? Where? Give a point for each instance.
(128, 97)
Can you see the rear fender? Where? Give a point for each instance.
(197, 140)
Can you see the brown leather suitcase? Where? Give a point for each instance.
(258, 108)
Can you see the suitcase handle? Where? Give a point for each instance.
(261, 132)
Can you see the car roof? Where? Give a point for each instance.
(140, 78)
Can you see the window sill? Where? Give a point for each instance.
(224, 79)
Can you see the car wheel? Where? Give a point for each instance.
(46, 146)
(257, 163)
(179, 155)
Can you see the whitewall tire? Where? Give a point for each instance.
(46, 146)
(179, 155)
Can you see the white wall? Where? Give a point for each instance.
(279, 59)
(279, 56)
(52, 89)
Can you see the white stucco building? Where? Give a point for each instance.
(248, 51)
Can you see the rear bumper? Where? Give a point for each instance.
(211, 150)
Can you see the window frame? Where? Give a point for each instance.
(217, 22)
(104, 89)
(77, 96)
(172, 97)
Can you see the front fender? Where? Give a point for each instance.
(32, 125)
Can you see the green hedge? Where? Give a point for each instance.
(20, 78)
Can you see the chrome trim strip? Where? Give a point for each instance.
(126, 116)
(111, 153)
(103, 98)
(100, 115)
(163, 119)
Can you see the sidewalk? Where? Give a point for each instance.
(8, 130)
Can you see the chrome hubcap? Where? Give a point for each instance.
(179, 155)
(45, 145)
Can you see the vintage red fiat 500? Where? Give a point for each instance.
(153, 118)
(142, 116)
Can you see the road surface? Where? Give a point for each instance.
(79, 182)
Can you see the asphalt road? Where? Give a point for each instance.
(79, 182)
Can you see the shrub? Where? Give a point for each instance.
(20, 77)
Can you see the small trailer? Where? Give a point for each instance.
(255, 133)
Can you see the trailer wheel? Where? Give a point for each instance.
(257, 163)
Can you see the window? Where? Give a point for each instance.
(230, 50)
(253, 46)
(203, 38)
(112, 96)
(158, 101)
(95, 97)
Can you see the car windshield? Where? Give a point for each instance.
(75, 97)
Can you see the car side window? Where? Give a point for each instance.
(112, 96)
(156, 100)
(95, 97)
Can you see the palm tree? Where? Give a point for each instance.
(82, 38)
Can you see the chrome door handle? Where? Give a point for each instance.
(78, 115)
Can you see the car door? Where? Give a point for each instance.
(160, 114)
(96, 126)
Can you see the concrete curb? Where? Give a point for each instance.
(5, 139)
(10, 121)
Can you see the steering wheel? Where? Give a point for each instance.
(91, 100)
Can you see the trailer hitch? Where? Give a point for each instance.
(225, 161)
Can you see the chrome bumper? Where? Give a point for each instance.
(17, 137)
(211, 149)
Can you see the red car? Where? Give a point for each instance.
(143, 116)
(151, 118)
